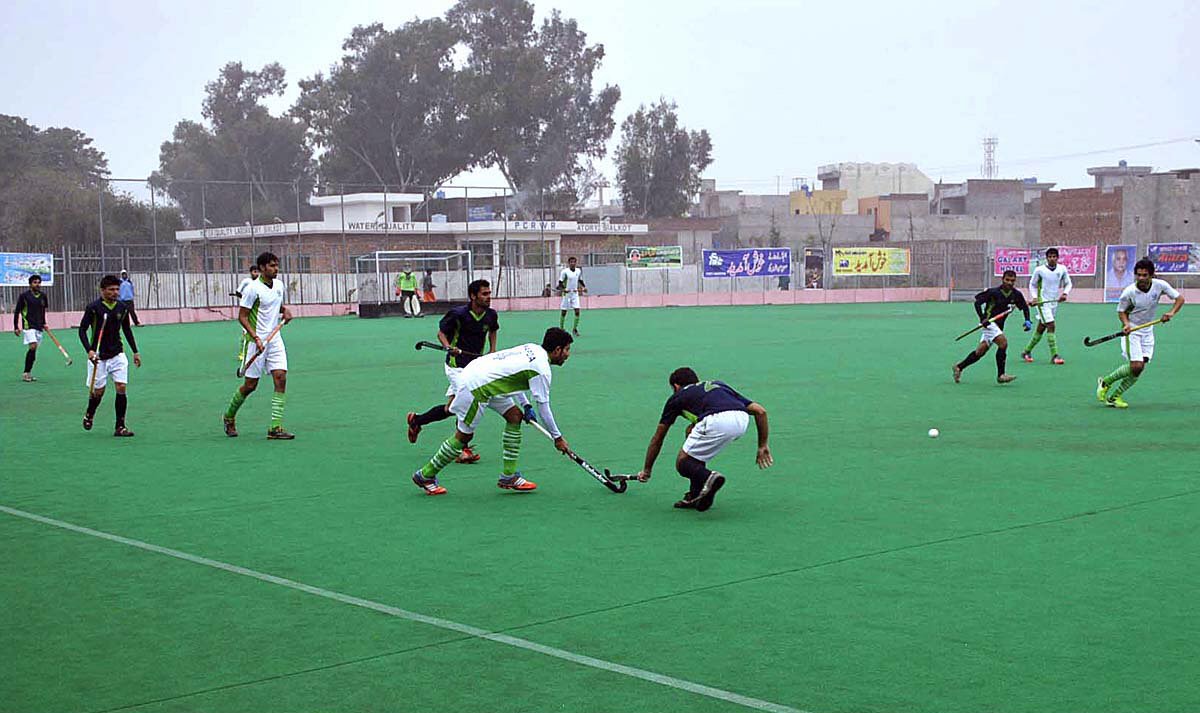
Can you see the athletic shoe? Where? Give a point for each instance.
(687, 502)
(1005, 378)
(1101, 390)
(1117, 402)
(517, 483)
(413, 429)
(230, 427)
(1057, 360)
(87, 421)
(575, 332)
(467, 456)
(705, 500)
(957, 374)
(122, 432)
(278, 434)
(1027, 357)
(429, 485)
(28, 377)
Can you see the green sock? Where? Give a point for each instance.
(278, 400)
(512, 447)
(576, 327)
(1033, 342)
(449, 451)
(1053, 343)
(1126, 384)
(238, 399)
(1117, 374)
(562, 319)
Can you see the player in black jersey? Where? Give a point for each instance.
(719, 416)
(106, 319)
(988, 304)
(29, 319)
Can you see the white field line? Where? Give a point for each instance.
(662, 680)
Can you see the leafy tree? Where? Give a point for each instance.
(659, 162)
(529, 95)
(245, 143)
(389, 113)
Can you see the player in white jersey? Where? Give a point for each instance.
(570, 285)
(1137, 306)
(491, 381)
(260, 310)
(244, 338)
(1050, 284)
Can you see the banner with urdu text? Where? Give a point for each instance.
(653, 257)
(17, 268)
(748, 262)
(871, 261)
(1176, 258)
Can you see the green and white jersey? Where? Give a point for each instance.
(1048, 285)
(568, 279)
(265, 303)
(509, 371)
(1141, 306)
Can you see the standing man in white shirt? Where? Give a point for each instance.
(259, 312)
(1137, 306)
(570, 285)
(1049, 284)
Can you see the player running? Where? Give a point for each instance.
(491, 381)
(29, 319)
(1137, 305)
(259, 312)
(719, 416)
(1050, 284)
(990, 304)
(107, 317)
(570, 284)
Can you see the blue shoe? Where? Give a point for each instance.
(429, 485)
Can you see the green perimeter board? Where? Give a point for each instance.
(788, 590)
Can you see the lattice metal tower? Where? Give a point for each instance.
(989, 168)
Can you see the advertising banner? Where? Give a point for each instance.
(1118, 270)
(748, 262)
(814, 268)
(1176, 258)
(16, 268)
(1078, 259)
(871, 261)
(655, 257)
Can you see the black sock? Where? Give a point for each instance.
(695, 472)
(30, 355)
(437, 413)
(93, 403)
(1001, 355)
(971, 359)
(120, 405)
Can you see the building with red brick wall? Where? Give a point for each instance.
(1081, 216)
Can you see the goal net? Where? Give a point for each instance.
(378, 274)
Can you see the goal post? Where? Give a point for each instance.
(377, 274)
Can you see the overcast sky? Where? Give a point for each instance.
(782, 86)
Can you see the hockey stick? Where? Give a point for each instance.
(241, 371)
(96, 362)
(1089, 342)
(978, 327)
(442, 348)
(617, 484)
(58, 344)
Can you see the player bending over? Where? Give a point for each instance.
(107, 318)
(1049, 285)
(491, 381)
(989, 304)
(1137, 305)
(719, 416)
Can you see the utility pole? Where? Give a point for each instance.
(989, 157)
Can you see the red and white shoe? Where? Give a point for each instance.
(413, 429)
(1027, 357)
(516, 482)
(467, 456)
(429, 485)
(1057, 360)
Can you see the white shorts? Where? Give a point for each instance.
(31, 336)
(452, 374)
(570, 300)
(274, 358)
(1139, 345)
(1046, 312)
(713, 432)
(469, 409)
(117, 368)
(990, 333)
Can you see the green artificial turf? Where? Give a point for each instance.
(1042, 555)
